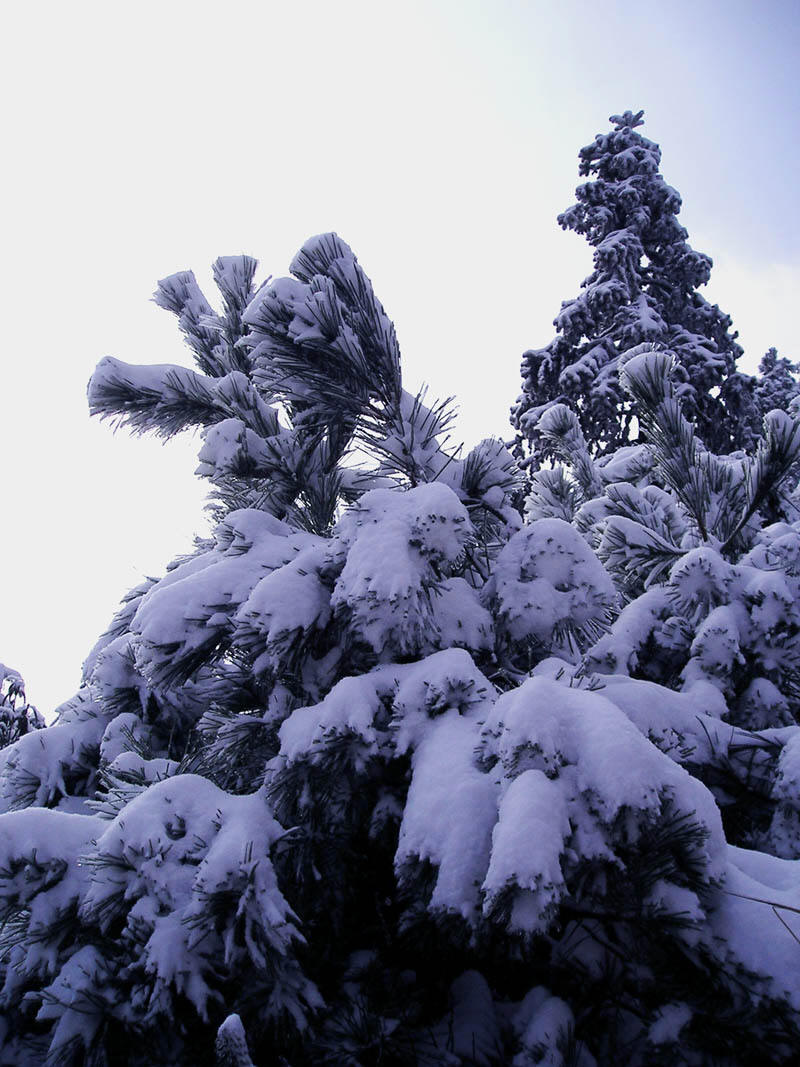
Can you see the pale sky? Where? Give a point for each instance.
(439, 139)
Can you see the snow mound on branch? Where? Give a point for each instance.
(285, 608)
(422, 533)
(185, 614)
(459, 618)
(548, 585)
(415, 693)
(38, 849)
(555, 787)
(432, 513)
(349, 709)
(450, 812)
(178, 846)
(579, 735)
(43, 766)
(756, 918)
(41, 885)
(528, 841)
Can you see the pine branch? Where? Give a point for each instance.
(630, 549)
(766, 472)
(647, 377)
(559, 428)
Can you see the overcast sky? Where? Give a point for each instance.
(439, 139)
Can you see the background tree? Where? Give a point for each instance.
(777, 385)
(644, 288)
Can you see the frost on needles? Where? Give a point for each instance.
(386, 772)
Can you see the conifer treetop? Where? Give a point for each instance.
(643, 290)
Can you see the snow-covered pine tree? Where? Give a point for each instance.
(335, 789)
(644, 288)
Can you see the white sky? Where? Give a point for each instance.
(439, 139)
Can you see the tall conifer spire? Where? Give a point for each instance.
(644, 288)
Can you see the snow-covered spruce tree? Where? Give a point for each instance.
(334, 790)
(644, 288)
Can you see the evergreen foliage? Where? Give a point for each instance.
(777, 385)
(17, 716)
(643, 289)
(709, 586)
(382, 773)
